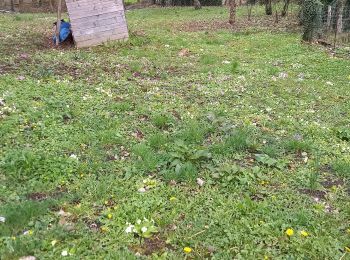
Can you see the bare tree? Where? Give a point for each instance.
(232, 6)
(197, 4)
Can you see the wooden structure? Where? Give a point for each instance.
(97, 21)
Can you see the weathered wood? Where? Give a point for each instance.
(97, 41)
(58, 24)
(97, 21)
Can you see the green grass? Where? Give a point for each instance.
(92, 139)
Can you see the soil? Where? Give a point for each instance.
(314, 193)
(289, 23)
(150, 246)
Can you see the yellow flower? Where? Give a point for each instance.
(54, 242)
(109, 216)
(347, 249)
(266, 257)
(348, 230)
(13, 238)
(289, 232)
(104, 229)
(172, 199)
(187, 250)
(304, 233)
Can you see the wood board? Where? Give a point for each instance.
(97, 21)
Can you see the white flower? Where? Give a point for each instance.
(226, 62)
(129, 229)
(167, 45)
(138, 221)
(2, 219)
(142, 190)
(73, 156)
(200, 182)
(144, 229)
(64, 253)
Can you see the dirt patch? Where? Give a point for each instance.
(289, 23)
(150, 246)
(317, 194)
(40, 196)
(329, 182)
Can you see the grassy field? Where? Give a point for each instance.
(235, 143)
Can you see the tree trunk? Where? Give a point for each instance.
(20, 5)
(51, 6)
(285, 8)
(329, 17)
(340, 17)
(232, 19)
(268, 7)
(12, 5)
(250, 7)
(197, 4)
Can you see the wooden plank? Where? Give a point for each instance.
(97, 41)
(80, 14)
(100, 22)
(100, 34)
(85, 3)
(97, 21)
(103, 28)
(116, 21)
(93, 7)
(83, 20)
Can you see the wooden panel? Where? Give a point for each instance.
(99, 34)
(97, 21)
(98, 41)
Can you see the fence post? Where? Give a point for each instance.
(58, 25)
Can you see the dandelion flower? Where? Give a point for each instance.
(144, 229)
(54, 242)
(304, 233)
(109, 216)
(289, 232)
(187, 250)
(172, 199)
(104, 229)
